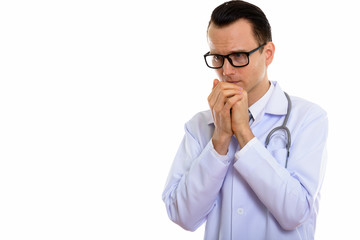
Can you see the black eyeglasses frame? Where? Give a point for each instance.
(229, 59)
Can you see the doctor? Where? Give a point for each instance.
(224, 173)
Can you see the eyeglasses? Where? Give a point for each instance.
(237, 59)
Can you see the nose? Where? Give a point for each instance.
(227, 68)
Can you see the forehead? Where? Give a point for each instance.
(237, 36)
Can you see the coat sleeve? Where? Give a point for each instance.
(194, 181)
(290, 194)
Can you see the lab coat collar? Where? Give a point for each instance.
(276, 105)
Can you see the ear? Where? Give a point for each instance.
(269, 50)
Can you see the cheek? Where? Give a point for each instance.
(219, 72)
(258, 71)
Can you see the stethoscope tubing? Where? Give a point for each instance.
(285, 128)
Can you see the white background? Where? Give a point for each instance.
(94, 96)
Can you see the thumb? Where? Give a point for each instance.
(216, 81)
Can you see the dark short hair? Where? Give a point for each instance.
(232, 11)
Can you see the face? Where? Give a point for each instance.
(238, 37)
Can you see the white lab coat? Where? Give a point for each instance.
(249, 194)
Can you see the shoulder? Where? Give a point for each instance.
(305, 114)
(303, 106)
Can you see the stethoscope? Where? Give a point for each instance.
(286, 130)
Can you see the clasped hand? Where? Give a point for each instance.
(229, 106)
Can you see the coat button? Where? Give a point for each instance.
(240, 211)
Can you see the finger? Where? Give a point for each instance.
(223, 97)
(218, 96)
(232, 101)
(227, 85)
(221, 91)
(215, 82)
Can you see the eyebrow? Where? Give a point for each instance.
(231, 52)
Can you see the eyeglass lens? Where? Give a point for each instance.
(237, 60)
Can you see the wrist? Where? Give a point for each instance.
(244, 136)
(221, 143)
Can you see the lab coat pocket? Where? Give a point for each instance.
(277, 147)
(280, 155)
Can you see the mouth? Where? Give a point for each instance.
(234, 82)
(230, 80)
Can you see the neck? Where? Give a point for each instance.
(255, 94)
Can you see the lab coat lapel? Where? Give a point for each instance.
(277, 103)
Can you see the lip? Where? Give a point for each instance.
(234, 82)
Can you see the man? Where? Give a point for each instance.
(232, 170)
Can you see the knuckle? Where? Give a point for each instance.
(223, 114)
(232, 100)
(210, 96)
(220, 85)
(217, 109)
